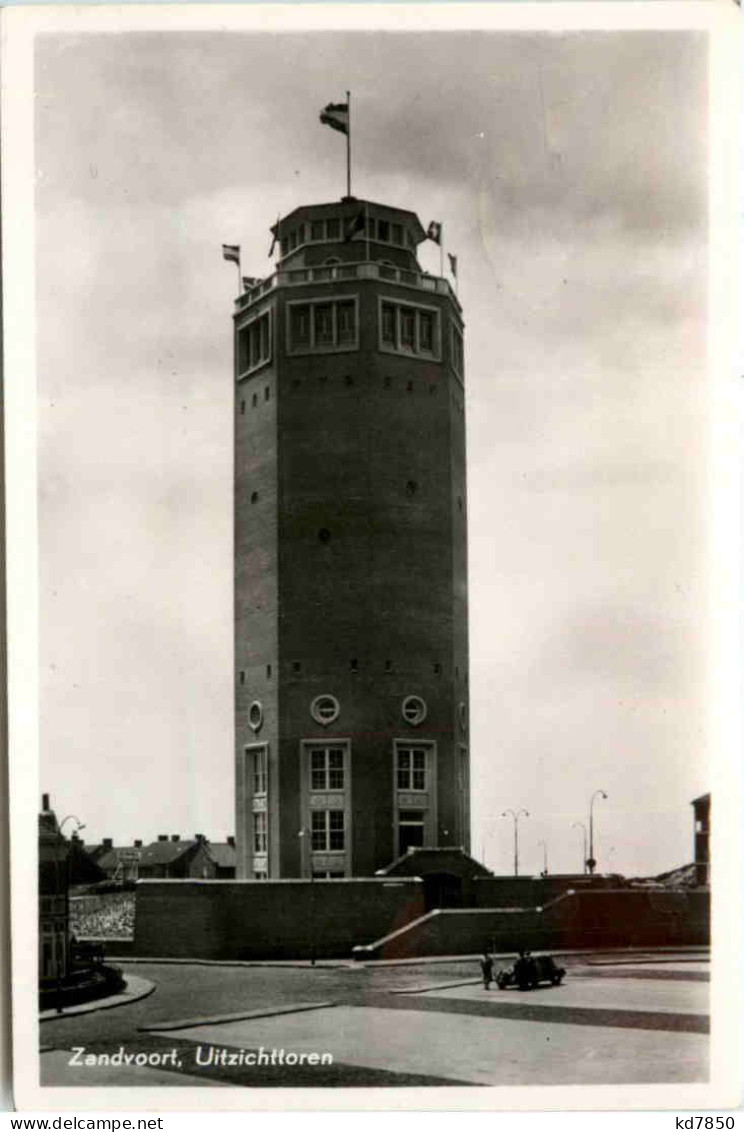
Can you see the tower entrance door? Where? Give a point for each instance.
(442, 890)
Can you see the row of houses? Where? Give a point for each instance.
(170, 856)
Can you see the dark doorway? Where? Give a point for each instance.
(442, 890)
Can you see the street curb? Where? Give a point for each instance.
(240, 1016)
(139, 989)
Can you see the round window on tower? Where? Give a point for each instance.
(255, 716)
(414, 710)
(324, 709)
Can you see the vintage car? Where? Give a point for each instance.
(528, 971)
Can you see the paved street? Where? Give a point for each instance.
(426, 1024)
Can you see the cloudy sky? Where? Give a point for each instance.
(569, 171)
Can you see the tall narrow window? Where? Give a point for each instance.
(261, 839)
(299, 326)
(260, 777)
(346, 319)
(407, 329)
(323, 324)
(388, 323)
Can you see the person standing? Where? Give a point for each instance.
(486, 962)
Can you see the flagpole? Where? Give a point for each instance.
(348, 146)
(240, 277)
(366, 229)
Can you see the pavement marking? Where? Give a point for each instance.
(666, 997)
(533, 1012)
(262, 1012)
(488, 1050)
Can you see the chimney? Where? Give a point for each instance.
(231, 840)
(108, 843)
(45, 803)
(175, 837)
(138, 843)
(162, 837)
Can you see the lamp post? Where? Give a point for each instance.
(57, 953)
(580, 825)
(591, 863)
(305, 832)
(515, 816)
(545, 857)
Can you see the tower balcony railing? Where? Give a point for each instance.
(332, 273)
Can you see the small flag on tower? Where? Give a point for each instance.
(336, 115)
(231, 252)
(453, 263)
(356, 224)
(434, 232)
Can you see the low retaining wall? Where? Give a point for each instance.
(285, 919)
(574, 921)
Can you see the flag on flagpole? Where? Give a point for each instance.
(250, 281)
(434, 232)
(356, 224)
(231, 252)
(336, 115)
(453, 263)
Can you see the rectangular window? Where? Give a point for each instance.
(411, 771)
(383, 231)
(260, 778)
(293, 239)
(397, 234)
(299, 326)
(346, 322)
(327, 768)
(317, 230)
(426, 332)
(324, 325)
(409, 329)
(284, 244)
(254, 344)
(457, 350)
(328, 830)
(388, 323)
(260, 838)
(333, 228)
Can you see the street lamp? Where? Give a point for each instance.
(305, 832)
(580, 825)
(515, 816)
(545, 857)
(591, 862)
(59, 954)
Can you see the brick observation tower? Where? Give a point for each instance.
(351, 616)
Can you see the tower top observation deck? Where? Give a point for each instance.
(348, 239)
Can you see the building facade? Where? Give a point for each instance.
(701, 812)
(351, 646)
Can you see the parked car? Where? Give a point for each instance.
(528, 971)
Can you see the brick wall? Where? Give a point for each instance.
(192, 919)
